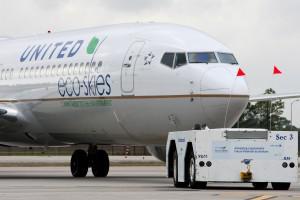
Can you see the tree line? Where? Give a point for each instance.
(265, 114)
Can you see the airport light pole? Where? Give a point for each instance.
(270, 115)
(296, 100)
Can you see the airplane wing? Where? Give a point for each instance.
(272, 97)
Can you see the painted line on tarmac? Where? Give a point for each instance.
(262, 197)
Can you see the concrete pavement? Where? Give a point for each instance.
(123, 182)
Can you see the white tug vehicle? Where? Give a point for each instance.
(254, 156)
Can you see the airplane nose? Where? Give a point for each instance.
(224, 96)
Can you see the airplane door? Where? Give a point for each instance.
(128, 67)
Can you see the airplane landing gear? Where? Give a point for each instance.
(100, 164)
(79, 163)
(98, 160)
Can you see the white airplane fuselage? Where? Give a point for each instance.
(108, 85)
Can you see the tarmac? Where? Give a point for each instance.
(31, 161)
(123, 182)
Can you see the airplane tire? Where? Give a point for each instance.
(260, 185)
(100, 164)
(175, 172)
(191, 169)
(280, 186)
(79, 163)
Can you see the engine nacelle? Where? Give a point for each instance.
(158, 152)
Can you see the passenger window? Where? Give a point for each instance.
(98, 68)
(65, 70)
(93, 67)
(81, 68)
(3, 74)
(37, 72)
(53, 72)
(31, 72)
(42, 71)
(180, 60)
(100, 64)
(11, 73)
(76, 68)
(21, 75)
(48, 70)
(7, 74)
(87, 68)
(71, 69)
(26, 72)
(59, 70)
(168, 59)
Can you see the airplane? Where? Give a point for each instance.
(115, 84)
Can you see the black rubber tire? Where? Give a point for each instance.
(280, 186)
(100, 164)
(79, 163)
(175, 172)
(260, 185)
(191, 165)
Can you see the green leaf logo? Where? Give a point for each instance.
(92, 45)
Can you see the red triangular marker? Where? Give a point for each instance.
(240, 72)
(276, 70)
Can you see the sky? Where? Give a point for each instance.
(261, 33)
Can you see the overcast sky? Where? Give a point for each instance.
(260, 32)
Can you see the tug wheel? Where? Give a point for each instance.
(260, 185)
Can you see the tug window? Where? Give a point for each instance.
(168, 59)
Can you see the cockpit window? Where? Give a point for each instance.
(203, 57)
(180, 60)
(168, 59)
(227, 58)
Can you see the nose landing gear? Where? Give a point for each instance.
(98, 160)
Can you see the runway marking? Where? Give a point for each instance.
(262, 197)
